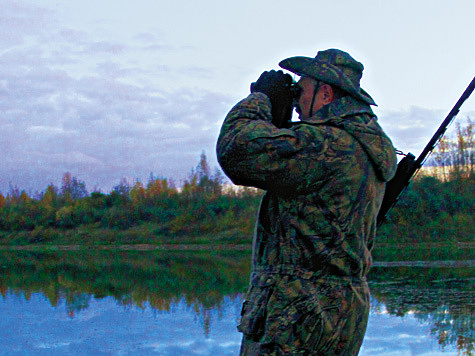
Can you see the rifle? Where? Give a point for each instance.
(409, 165)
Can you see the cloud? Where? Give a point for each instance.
(105, 47)
(49, 131)
(96, 127)
(411, 129)
(17, 21)
(105, 106)
(102, 130)
(62, 109)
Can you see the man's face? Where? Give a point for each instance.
(308, 90)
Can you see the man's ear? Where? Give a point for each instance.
(328, 94)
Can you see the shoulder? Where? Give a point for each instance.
(256, 105)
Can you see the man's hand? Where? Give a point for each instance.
(277, 86)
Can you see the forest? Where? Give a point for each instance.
(438, 207)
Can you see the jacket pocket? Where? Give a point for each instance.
(254, 309)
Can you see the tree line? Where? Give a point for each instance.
(455, 154)
(203, 205)
(438, 206)
(439, 203)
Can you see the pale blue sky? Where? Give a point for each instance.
(111, 89)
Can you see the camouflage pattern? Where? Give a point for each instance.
(334, 67)
(307, 317)
(324, 180)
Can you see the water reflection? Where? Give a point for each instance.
(440, 297)
(131, 277)
(209, 286)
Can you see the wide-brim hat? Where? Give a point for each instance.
(334, 67)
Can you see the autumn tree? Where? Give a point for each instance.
(160, 187)
(2, 201)
(454, 155)
(465, 142)
(48, 205)
(137, 193)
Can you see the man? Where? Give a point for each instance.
(324, 178)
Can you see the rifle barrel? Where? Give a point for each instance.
(443, 127)
(409, 166)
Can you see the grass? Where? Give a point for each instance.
(91, 235)
(424, 252)
(148, 236)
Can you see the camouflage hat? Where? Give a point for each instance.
(334, 67)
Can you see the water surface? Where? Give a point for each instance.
(188, 303)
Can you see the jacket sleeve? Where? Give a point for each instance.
(254, 152)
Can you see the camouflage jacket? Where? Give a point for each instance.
(324, 180)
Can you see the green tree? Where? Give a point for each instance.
(72, 188)
(123, 188)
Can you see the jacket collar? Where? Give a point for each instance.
(338, 109)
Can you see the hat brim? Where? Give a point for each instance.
(326, 72)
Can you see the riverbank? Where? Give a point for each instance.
(137, 247)
(427, 252)
(92, 235)
(149, 236)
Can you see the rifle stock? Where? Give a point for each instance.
(409, 166)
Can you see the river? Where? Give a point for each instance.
(187, 303)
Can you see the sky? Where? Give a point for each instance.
(115, 89)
